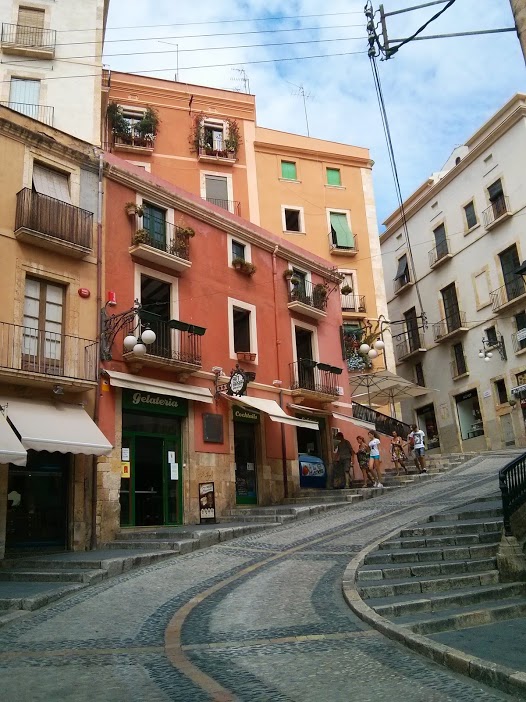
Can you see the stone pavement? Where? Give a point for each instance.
(258, 619)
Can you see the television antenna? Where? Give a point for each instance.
(300, 92)
(241, 78)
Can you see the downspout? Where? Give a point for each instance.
(94, 492)
(278, 363)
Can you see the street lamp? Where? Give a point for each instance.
(112, 324)
(497, 343)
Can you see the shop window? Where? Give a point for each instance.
(469, 415)
(500, 391)
(241, 330)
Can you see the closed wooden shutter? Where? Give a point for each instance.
(30, 26)
(342, 235)
(334, 176)
(288, 170)
(216, 188)
(30, 17)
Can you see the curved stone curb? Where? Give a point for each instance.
(492, 674)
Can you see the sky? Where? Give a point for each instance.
(437, 92)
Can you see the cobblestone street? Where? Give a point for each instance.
(259, 619)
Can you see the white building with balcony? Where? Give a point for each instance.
(51, 62)
(457, 261)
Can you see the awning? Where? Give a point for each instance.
(519, 390)
(11, 450)
(45, 426)
(309, 410)
(135, 382)
(273, 410)
(357, 422)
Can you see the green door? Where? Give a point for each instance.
(245, 456)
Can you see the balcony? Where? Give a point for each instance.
(134, 142)
(34, 42)
(42, 113)
(382, 422)
(353, 306)
(411, 345)
(401, 284)
(315, 381)
(177, 347)
(440, 254)
(459, 368)
(167, 246)
(453, 325)
(337, 250)
(52, 224)
(233, 206)
(497, 212)
(508, 295)
(519, 341)
(208, 155)
(34, 356)
(308, 299)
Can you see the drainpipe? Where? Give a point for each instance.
(278, 363)
(93, 540)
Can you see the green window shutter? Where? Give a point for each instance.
(288, 170)
(342, 235)
(334, 176)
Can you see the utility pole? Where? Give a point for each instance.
(518, 7)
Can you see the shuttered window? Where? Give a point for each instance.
(31, 17)
(342, 237)
(216, 188)
(24, 94)
(51, 183)
(288, 170)
(334, 176)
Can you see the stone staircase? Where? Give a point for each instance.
(442, 575)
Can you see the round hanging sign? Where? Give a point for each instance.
(237, 383)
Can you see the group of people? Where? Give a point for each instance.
(368, 456)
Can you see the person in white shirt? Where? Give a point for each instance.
(416, 440)
(374, 457)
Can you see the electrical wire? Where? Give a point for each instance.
(392, 51)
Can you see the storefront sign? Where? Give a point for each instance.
(207, 503)
(237, 383)
(241, 414)
(153, 402)
(125, 469)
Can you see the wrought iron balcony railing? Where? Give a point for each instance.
(309, 375)
(498, 208)
(308, 294)
(439, 253)
(134, 140)
(513, 289)
(336, 248)
(454, 321)
(165, 237)
(20, 36)
(233, 206)
(382, 422)
(54, 219)
(408, 344)
(23, 348)
(42, 113)
(176, 342)
(353, 303)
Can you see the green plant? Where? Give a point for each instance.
(295, 281)
(133, 208)
(288, 273)
(186, 232)
(233, 139)
(240, 264)
(320, 290)
(141, 236)
(346, 290)
(119, 124)
(197, 133)
(148, 126)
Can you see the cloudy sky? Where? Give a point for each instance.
(437, 92)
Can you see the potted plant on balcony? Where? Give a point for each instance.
(119, 125)
(346, 290)
(179, 244)
(243, 266)
(288, 273)
(233, 138)
(238, 263)
(133, 209)
(141, 236)
(148, 126)
(319, 295)
(246, 356)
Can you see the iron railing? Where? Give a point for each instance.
(518, 345)
(307, 374)
(134, 139)
(353, 303)
(217, 153)
(408, 344)
(507, 293)
(439, 252)
(54, 218)
(512, 483)
(458, 367)
(42, 113)
(335, 247)
(171, 344)
(499, 207)
(401, 282)
(309, 294)
(165, 237)
(453, 321)
(233, 206)
(382, 422)
(18, 35)
(24, 348)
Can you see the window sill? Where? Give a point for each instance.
(335, 187)
(462, 375)
(520, 352)
(289, 180)
(472, 229)
(286, 231)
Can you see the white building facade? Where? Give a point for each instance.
(51, 62)
(456, 261)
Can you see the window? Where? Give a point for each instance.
(299, 289)
(24, 96)
(497, 199)
(411, 325)
(154, 222)
(459, 359)
(288, 170)
(514, 283)
(216, 189)
(470, 214)
(440, 241)
(419, 374)
(334, 176)
(520, 322)
(238, 250)
(43, 326)
(500, 391)
(451, 310)
(402, 272)
(292, 220)
(241, 320)
(214, 135)
(29, 26)
(52, 183)
(341, 234)
(491, 336)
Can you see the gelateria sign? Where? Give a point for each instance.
(154, 402)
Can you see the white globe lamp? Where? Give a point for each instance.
(139, 349)
(489, 354)
(365, 348)
(129, 342)
(148, 336)
(372, 353)
(379, 345)
(482, 354)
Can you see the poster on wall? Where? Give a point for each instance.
(207, 503)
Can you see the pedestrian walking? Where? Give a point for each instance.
(416, 439)
(363, 461)
(343, 466)
(374, 457)
(397, 453)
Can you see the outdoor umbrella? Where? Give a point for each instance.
(384, 387)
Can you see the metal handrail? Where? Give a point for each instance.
(164, 237)
(507, 293)
(170, 344)
(400, 283)
(456, 319)
(308, 294)
(28, 37)
(512, 483)
(233, 206)
(353, 303)
(307, 374)
(382, 422)
(439, 252)
(498, 208)
(410, 343)
(42, 113)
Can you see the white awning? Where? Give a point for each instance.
(45, 426)
(11, 450)
(353, 420)
(309, 410)
(161, 387)
(273, 410)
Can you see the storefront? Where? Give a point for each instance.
(246, 424)
(469, 415)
